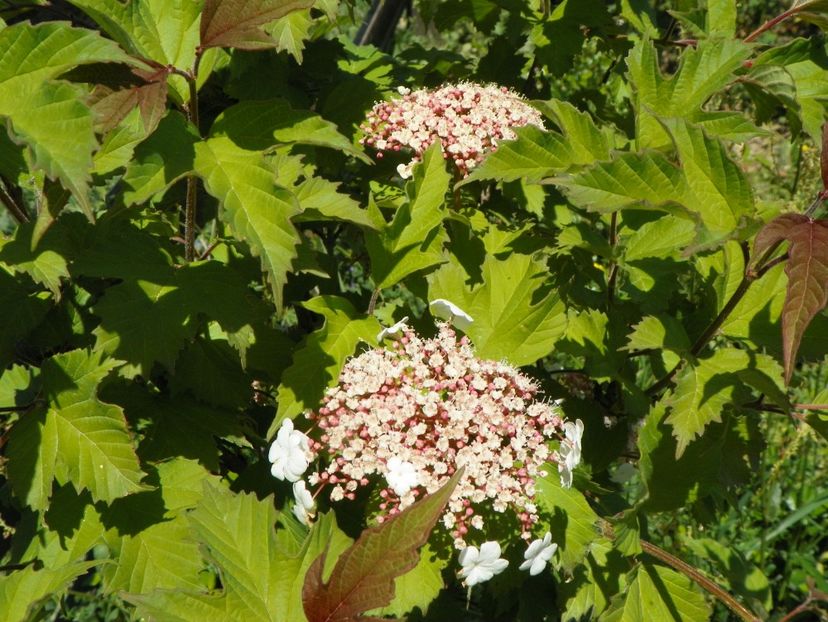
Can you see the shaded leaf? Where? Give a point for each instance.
(363, 577)
(21, 591)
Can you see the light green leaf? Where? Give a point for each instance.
(55, 125)
(587, 142)
(75, 438)
(660, 238)
(702, 391)
(320, 200)
(166, 31)
(533, 155)
(412, 241)
(662, 332)
(641, 16)
(162, 556)
(515, 316)
(645, 179)
(703, 70)
(317, 362)
(165, 157)
(715, 187)
(20, 591)
(260, 125)
(257, 210)
(571, 520)
(658, 593)
(594, 582)
(290, 33)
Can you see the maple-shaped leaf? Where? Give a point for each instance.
(807, 270)
(363, 577)
(238, 23)
(149, 95)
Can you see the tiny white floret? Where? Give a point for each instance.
(393, 331)
(304, 505)
(478, 566)
(289, 453)
(446, 310)
(402, 476)
(538, 554)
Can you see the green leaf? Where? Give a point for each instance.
(412, 241)
(22, 590)
(24, 307)
(516, 316)
(658, 593)
(721, 17)
(587, 142)
(51, 120)
(645, 179)
(290, 33)
(570, 517)
(594, 582)
(363, 577)
(260, 125)
(257, 210)
(161, 556)
(75, 438)
(320, 200)
(238, 23)
(807, 271)
(531, 156)
(662, 332)
(702, 391)
(703, 70)
(165, 157)
(317, 362)
(715, 187)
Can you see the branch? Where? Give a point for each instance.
(8, 200)
(771, 23)
(694, 575)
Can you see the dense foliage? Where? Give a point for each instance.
(211, 208)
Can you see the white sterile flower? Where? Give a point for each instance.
(289, 453)
(393, 331)
(481, 565)
(402, 476)
(573, 433)
(538, 553)
(303, 508)
(446, 310)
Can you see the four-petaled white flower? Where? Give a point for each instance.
(304, 505)
(569, 452)
(538, 553)
(450, 312)
(393, 331)
(481, 565)
(289, 453)
(402, 476)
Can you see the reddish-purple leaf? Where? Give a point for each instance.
(774, 232)
(150, 98)
(363, 577)
(807, 294)
(237, 23)
(824, 157)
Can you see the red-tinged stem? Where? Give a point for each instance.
(694, 575)
(811, 407)
(771, 23)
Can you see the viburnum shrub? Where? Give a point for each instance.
(467, 119)
(605, 225)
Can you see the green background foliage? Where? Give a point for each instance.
(194, 242)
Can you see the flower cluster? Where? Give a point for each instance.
(417, 411)
(468, 119)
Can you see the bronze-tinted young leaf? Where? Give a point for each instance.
(807, 294)
(237, 23)
(363, 578)
(114, 105)
(807, 270)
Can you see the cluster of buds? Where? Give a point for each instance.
(410, 415)
(467, 119)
